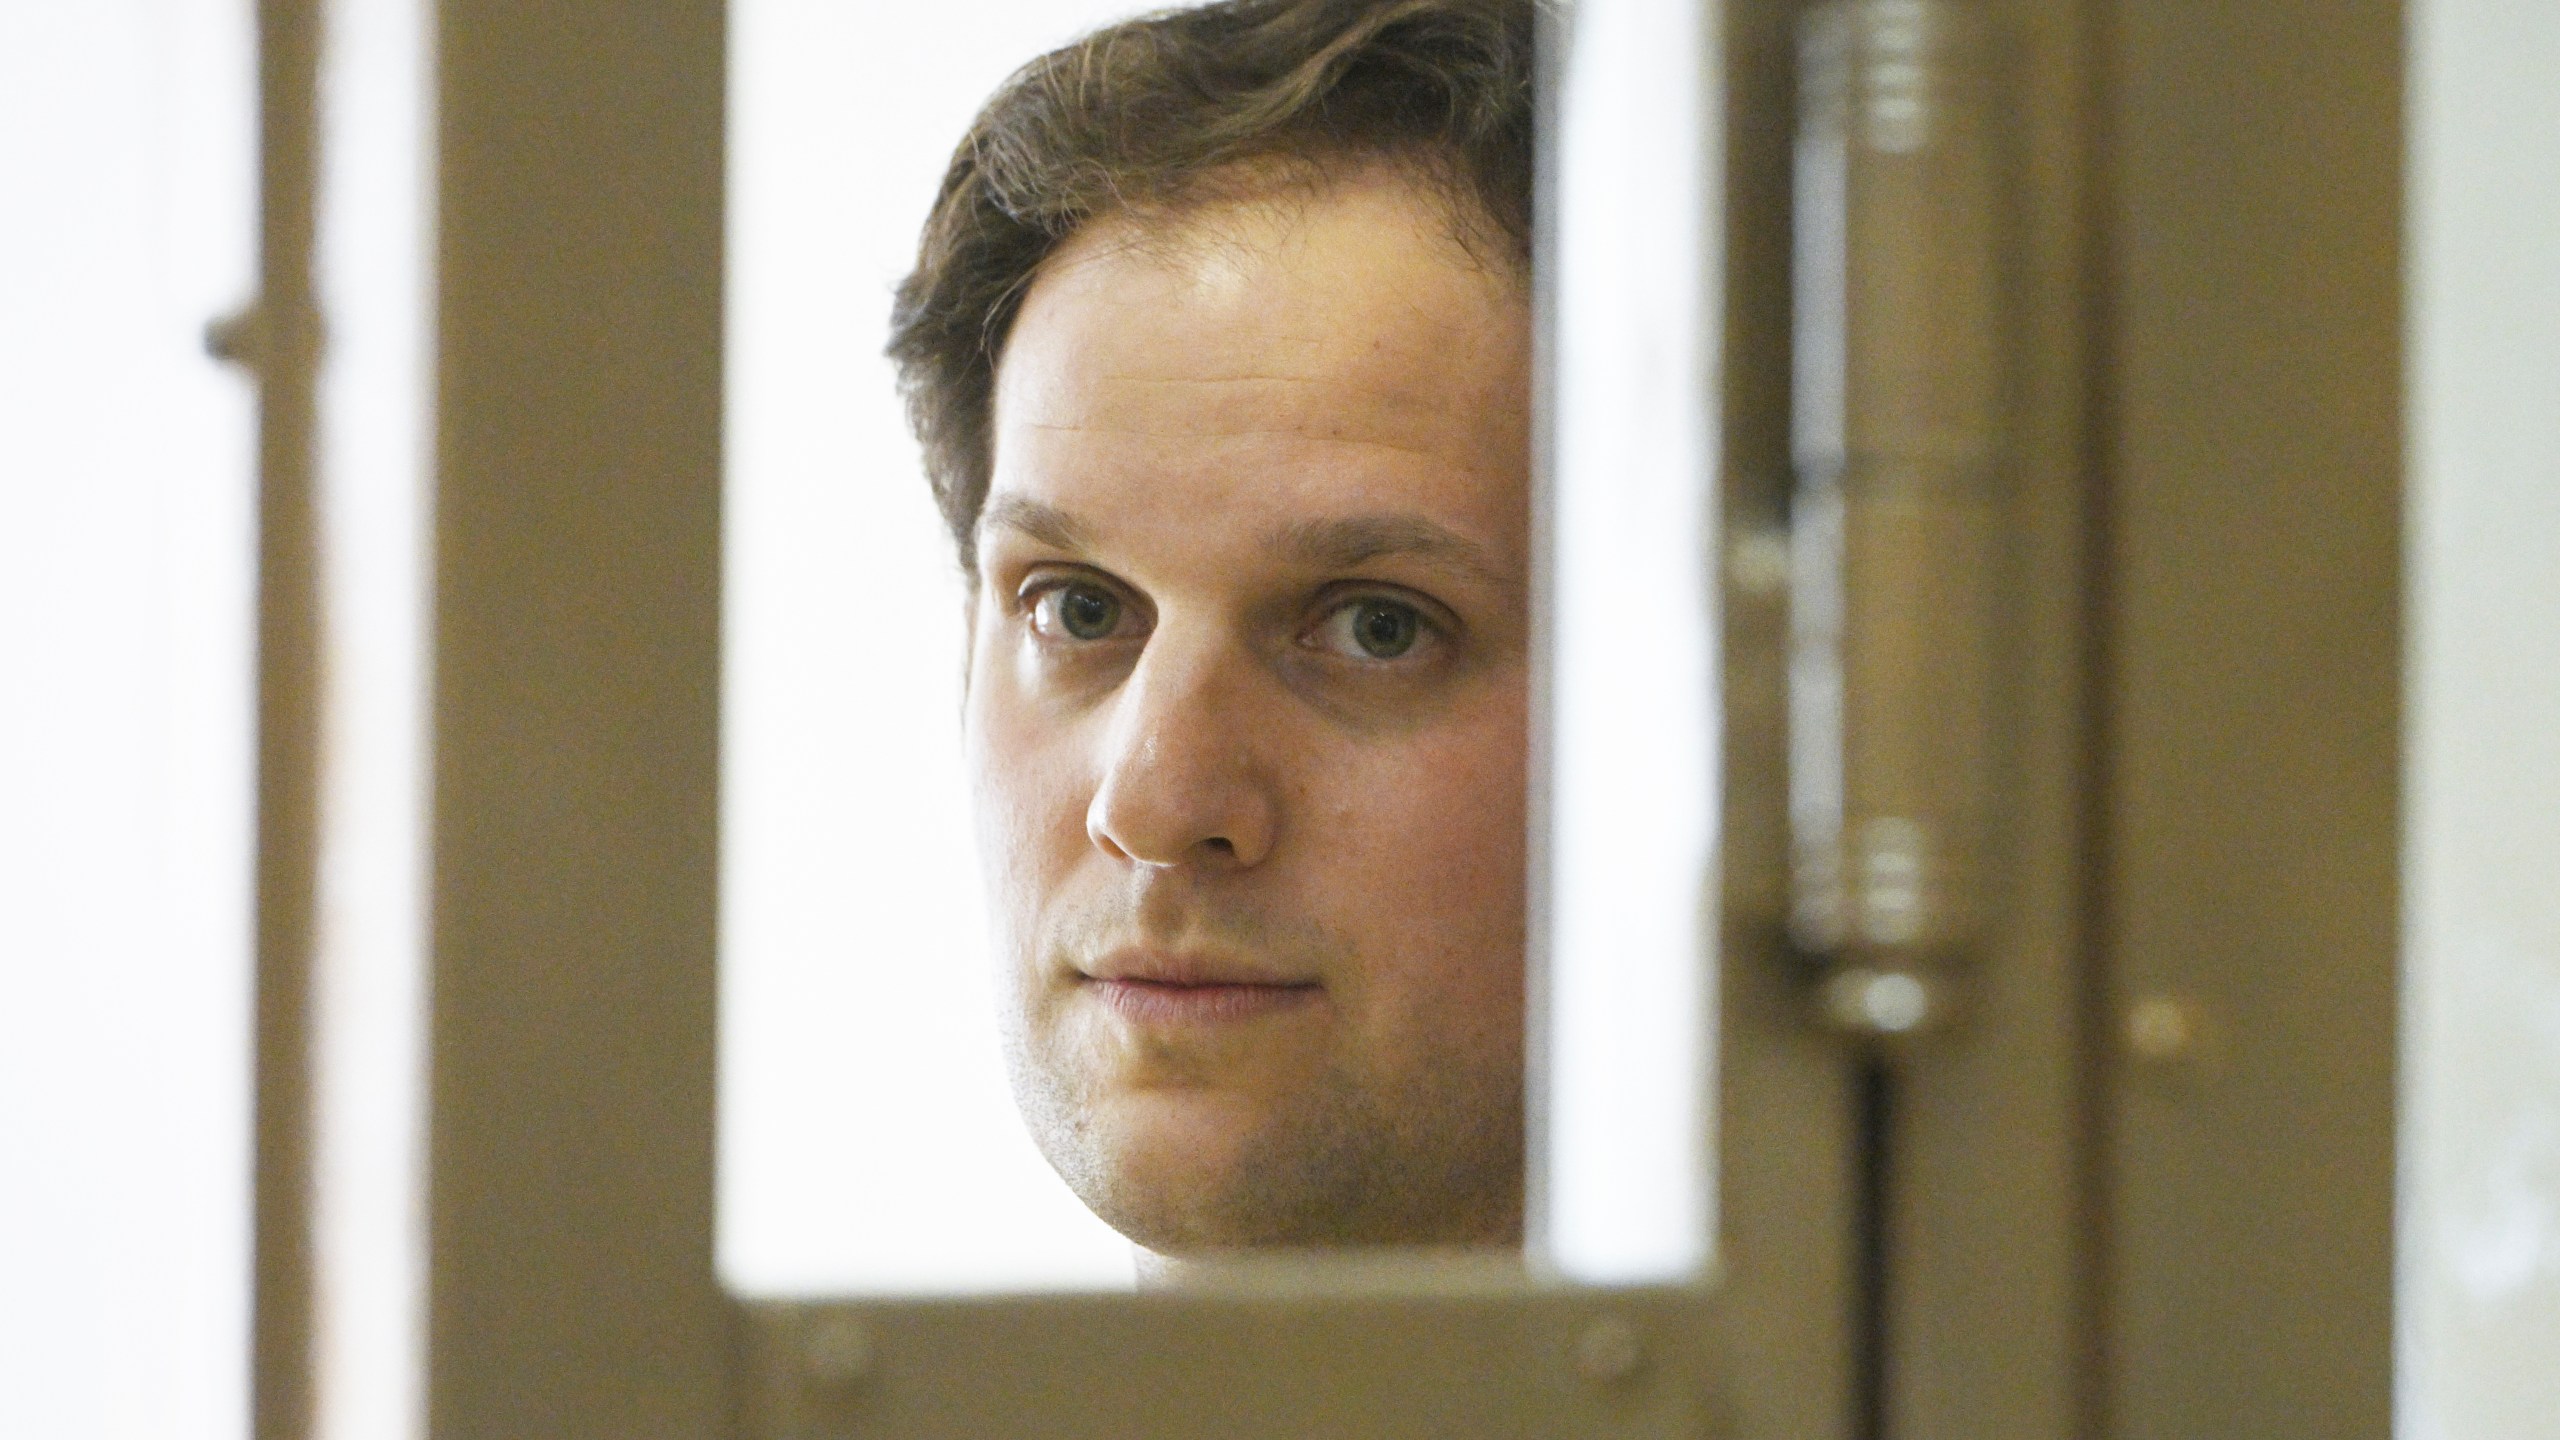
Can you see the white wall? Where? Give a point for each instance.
(126, 550)
(2480, 1224)
(867, 1140)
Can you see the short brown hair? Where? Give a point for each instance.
(1153, 111)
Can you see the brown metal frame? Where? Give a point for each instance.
(279, 337)
(1990, 1318)
(2251, 704)
(2145, 1187)
(2079, 1239)
(1908, 1228)
(571, 1283)
(1344, 1352)
(576, 722)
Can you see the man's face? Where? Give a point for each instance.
(1247, 718)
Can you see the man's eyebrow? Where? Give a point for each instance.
(1033, 519)
(1344, 543)
(1352, 541)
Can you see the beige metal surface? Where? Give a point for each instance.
(2252, 709)
(2200, 809)
(571, 1291)
(1989, 1303)
(1238, 1366)
(2078, 1243)
(1786, 1162)
(279, 337)
(1978, 1322)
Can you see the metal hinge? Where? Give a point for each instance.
(1901, 393)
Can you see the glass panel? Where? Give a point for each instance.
(127, 510)
(2479, 1303)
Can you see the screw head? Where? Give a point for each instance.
(835, 1349)
(1759, 561)
(1883, 1003)
(1608, 1352)
(2161, 1029)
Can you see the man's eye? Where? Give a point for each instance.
(1082, 612)
(1371, 629)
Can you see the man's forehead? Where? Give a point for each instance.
(1221, 241)
(1320, 380)
(1354, 294)
(1134, 374)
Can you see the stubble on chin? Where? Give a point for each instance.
(1189, 1153)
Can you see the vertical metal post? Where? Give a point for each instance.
(2253, 705)
(279, 336)
(1787, 1104)
(571, 1293)
(1943, 382)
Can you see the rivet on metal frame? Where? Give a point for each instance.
(2162, 1029)
(1879, 1003)
(835, 1350)
(1609, 1351)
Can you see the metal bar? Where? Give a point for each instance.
(2087, 97)
(1786, 1106)
(1297, 1361)
(280, 338)
(571, 1291)
(2254, 697)
(1995, 1226)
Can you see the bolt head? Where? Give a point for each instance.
(1760, 561)
(1609, 1351)
(1882, 1003)
(835, 1349)
(2161, 1029)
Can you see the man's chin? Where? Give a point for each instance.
(1183, 1172)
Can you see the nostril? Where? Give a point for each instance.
(1221, 845)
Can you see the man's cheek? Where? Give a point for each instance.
(1440, 883)
(1440, 828)
(1032, 789)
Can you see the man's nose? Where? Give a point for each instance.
(1180, 783)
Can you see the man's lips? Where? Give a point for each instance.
(1186, 967)
(1151, 987)
(1161, 1002)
